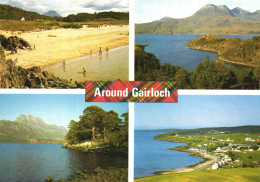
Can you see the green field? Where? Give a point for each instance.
(234, 175)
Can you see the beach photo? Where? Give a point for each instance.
(199, 44)
(63, 44)
(58, 137)
(200, 138)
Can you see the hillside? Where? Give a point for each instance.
(8, 12)
(209, 19)
(240, 51)
(203, 131)
(27, 128)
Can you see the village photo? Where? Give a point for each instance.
(200, 138)
(210, 44)
(61, 45)
(59, 137)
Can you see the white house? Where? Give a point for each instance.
(214, 166)
(248, 139)
(22, 19)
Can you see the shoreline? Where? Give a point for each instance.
(207, 161)
(54, 46)
(35, 142)
(221, 58)
(69, 61)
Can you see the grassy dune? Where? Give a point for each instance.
(234, 175)
(10, 25)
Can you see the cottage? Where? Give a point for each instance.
(22, 19)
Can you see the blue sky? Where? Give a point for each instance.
(56, 109)
(199, 111)
(66, 7)
(150, 10)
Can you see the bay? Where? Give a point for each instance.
(34, 162)
(170, 48)
(153, 155)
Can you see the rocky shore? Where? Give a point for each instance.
(13, 76)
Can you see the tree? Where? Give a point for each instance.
(182, 78)
(94, 116)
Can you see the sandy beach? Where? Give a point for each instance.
(53, 46)
(210, 159)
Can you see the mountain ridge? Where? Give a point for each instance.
(29, 128)
(208, 19)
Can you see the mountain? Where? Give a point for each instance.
(12, 13)
(28, 128)
(238, 12)
(52, 13)
(213, 11)
(208, 19)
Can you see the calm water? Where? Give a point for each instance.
(152, 155)
(111, 66)
(171, 48)
(34, 162)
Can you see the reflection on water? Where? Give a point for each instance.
(34, 162)
(112, 65)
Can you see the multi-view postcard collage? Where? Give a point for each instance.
(129, 91)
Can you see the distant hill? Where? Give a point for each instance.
(166, 18)
(240, 13)
(208, 19)
(52, 13)
(12, 13)
(28, 128)
(237, 129)
(8, 12)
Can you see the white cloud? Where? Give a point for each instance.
(66, 7)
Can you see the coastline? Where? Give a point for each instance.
(208, 160)
(80, 58)
(53, 46)
(221, 58)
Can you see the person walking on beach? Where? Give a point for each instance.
(84, 70)
(100, 51)
(107, 50)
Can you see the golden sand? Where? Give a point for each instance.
(52, 46)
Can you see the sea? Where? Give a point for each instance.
(151, 155)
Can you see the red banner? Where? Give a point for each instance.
(131, 91)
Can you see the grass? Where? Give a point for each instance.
(10, 25)
(229, 175)
(200, 139)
